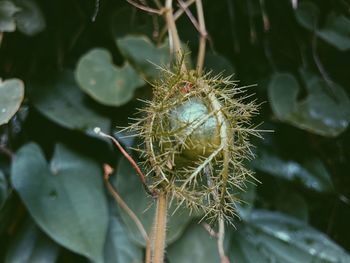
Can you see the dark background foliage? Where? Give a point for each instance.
(299, 59)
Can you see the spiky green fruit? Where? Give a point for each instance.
(204, 139)
(196, 137)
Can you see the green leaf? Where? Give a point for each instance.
(119, 247)
(11, 96)
(65, 198)
(336, 31)
(29, 19)
(325, 110)
(247, 198)
(7, 20)
(144, 55)
(283, 93)
(311, 173)
(105, 82)
(274, 237)
(195, 246)
(307, 15)
(32, 245)
(131, 190)
(61, 100)
(3, 189)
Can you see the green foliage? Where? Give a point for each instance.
(11, 96)
(104, 82)
(275, 237)
(79, 75)
(7, 20)
(32, 245)
(66, 197)
(61, 100)
(3, 188)
(144, 55)
(325, 110)
(29, 18)
(194, 246)
(311, 173)
(142, 205)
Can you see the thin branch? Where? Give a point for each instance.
(159, 234)
(128, 157)
(203, 37)
(174, 39)
(97, 8)
(177, 15)
(107, 172)
(190, 15)
(221, 238)
(210, 230)
(146, 8)
(320, 66)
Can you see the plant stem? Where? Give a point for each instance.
(159, 228)
(202, 38)
(107, 171)
(221, 239)
(174, 39)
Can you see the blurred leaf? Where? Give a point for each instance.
(323, 112)
(32, 245)
(336, 31)
(292, 204)
(274, 237)
(3, 189)
(103, 81)
(131, 190)
(119, 247)
(7, 12)
(65, 198)
(283, 93)
(61, 100)
(247, 198)
(218, 64)
(11, 96)
(144, 55)
(29, 19)
(195, 246)
(307, 15)
(311, 173)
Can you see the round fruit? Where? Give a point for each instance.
(202, 132)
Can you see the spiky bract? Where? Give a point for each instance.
(195, 135)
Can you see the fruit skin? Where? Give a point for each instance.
(205, 138)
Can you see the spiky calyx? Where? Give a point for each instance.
(196, 136)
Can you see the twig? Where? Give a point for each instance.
(128, 157)
(320, 67)
(159, 229)
(174, 39)
(97, 8)
(210, 230)
(107, 172)
(177, 15)
(221, 238)
(145, 8)
(189, 14)
(203, 37)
